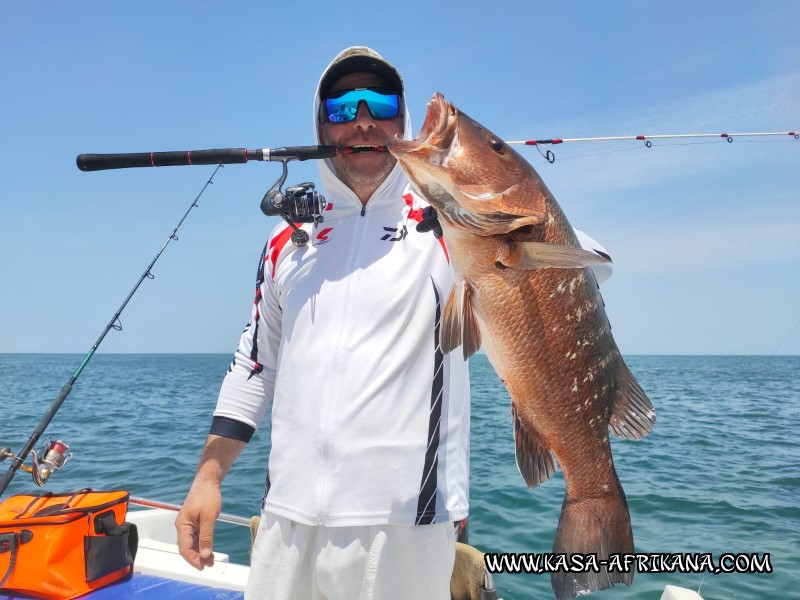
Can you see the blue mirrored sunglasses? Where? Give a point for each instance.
(342, 107)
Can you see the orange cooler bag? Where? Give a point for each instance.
(60, 546)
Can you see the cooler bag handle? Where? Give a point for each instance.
(9, 542)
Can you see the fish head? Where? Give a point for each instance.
(474, 180)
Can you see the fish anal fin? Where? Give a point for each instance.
(633, 415)
(470, 332)
(534, 458)
(450, 332)
(537, 255)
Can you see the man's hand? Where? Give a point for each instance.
(430, 222)
(195, 524)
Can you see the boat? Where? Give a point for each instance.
(160, 573)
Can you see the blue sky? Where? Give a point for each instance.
(705, 237)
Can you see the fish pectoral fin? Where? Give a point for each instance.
(450, 332)
(633, 415)
(536, 255)
(470, 333)
(534, 457)
(459, 325)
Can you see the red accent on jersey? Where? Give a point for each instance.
(322, 236)
(276, 245)
(415, 214)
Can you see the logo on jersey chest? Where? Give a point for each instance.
(322, 237)
(395, 234)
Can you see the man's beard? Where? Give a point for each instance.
(356, 178)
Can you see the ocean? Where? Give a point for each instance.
(719, 474)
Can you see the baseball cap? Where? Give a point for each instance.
(359, 59)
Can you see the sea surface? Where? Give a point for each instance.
(720, 473)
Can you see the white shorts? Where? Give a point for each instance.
(291, 561)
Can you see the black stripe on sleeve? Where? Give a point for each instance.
(231, 428)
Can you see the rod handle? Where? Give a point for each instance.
(99, 162)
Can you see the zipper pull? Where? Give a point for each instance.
(363, 209)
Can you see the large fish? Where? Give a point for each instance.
(525, 293)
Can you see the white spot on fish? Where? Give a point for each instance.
(605, 487)
(575, 385)
(572, 284)
(573, 356)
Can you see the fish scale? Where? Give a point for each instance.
(525, 293)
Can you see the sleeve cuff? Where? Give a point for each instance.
(230, 428)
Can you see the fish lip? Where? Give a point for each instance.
(435, 120)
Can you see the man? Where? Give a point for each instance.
(369, 458)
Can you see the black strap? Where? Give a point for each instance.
(9, 542)
(106, 523)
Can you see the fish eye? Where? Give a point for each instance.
(497, 145)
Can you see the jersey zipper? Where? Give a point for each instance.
(355, 251)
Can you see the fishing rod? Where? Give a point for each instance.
(647, 139)
(54, 456)
(98, 162)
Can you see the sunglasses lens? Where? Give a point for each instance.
(343, 106)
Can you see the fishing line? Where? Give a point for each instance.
(786, 337)
(115, 324)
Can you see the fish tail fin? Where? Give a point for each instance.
(592, 526)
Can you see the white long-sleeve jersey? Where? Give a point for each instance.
(370, 422)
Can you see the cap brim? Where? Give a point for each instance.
(360, 64)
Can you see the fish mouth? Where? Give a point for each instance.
(437, 131)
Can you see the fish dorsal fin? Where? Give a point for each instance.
(534, 458)
(536, 255)
(633, 416)
(459, 325)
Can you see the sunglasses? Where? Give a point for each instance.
(342, 107)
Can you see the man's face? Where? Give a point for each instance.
(362, 169)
